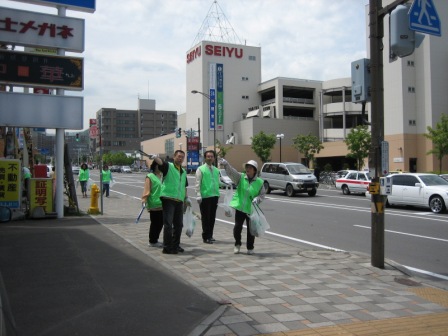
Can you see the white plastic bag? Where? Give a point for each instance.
(228, 211)
(258, 223)
(89, 183)
(111, 183)
(189, 221)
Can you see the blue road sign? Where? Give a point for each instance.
(423, 18)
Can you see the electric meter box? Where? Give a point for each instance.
(386, 185)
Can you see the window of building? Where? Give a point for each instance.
(412, 122)
(411, 89)
(252, 58)
(411, 63)
(244, 97)
(244, 78)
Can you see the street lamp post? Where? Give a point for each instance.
(214, 122)
(280, 137)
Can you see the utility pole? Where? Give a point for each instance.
(376, 24)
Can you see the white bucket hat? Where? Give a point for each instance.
(252, 163)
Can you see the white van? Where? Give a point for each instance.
(291, 177)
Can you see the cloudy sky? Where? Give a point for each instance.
(137, 48)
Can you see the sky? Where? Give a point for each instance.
(137, 48)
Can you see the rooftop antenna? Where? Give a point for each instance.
(216, 27)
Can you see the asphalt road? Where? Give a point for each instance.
(415, 238)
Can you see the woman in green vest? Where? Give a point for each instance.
(83, 177)
(249, 189)
(107, 177)
(151, 198)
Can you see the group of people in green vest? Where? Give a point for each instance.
(84, 176)
(165, 197)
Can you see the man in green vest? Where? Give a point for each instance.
(173, 196)
(207, 195)
(249, 190)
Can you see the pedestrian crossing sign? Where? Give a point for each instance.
(423, 18)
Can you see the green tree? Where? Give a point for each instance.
(358, 143)
(222, 150)
(439, 138)
(309, 145)
(262, 145)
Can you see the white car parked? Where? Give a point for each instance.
(354, 182)
(420, 190)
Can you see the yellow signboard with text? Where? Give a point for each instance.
(41, 194)
(10, 183)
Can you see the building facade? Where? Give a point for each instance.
(124, 130)
(414, 99)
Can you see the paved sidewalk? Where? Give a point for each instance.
(288, 289)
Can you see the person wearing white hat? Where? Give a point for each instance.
(250, 189)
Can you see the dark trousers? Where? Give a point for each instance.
(208, 208)
(172, 223)
(240, 218)
(106, 189)
(156, 225)
(83, 186)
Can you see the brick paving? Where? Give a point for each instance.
(286, 289)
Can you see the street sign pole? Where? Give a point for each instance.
(376, 18)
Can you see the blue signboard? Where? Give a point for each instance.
(80, 5)
(192, 160)
(423, 18)
(212, 109)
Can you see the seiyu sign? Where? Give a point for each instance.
(32, 29)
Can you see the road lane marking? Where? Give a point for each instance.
(407, 234)
(440, 276)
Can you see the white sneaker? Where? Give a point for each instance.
(250, 252)
(158, 244)
(236, 249)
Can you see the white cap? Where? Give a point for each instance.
(252, 163)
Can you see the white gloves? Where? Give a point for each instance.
(256, 200)
(199, 199)
(153, 156)
(223, 162)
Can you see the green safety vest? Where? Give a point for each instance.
(153, 201)
(107, 176)
(210, 181)
(245, 193)
(83, 174)
(174, 183)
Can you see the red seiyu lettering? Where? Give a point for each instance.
(217, 50)
(223, 51)
(192, 55)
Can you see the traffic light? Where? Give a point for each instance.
(77, 136)
(178, 132)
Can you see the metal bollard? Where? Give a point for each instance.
(95, 193)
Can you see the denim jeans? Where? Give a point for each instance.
(173, 212)
(106, 189)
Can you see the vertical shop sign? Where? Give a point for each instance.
(10, 183)
(219, 96)
(41, 194)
